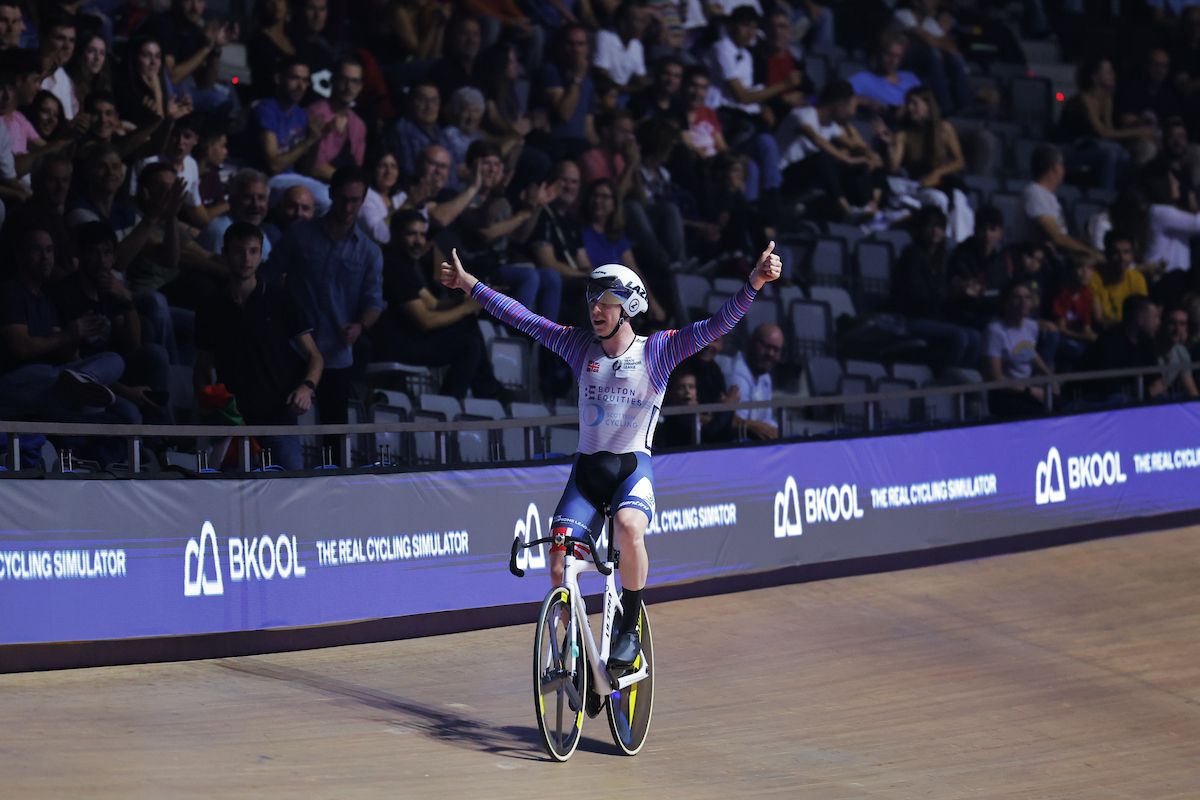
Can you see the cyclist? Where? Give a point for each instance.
(622, 379)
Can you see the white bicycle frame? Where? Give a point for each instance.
(597, 656)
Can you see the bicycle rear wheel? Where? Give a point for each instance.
(560, 676)
(629, 709)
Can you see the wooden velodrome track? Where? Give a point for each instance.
(1071, 672)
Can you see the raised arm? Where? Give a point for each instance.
(667, 349)
(569, 343)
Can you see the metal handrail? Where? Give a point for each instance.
(135, 433)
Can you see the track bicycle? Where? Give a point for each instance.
(571, 675)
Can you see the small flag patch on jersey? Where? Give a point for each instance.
(593, 366)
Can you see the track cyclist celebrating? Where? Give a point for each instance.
(622, 379)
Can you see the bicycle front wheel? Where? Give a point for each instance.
(629, 709)
(560, 676)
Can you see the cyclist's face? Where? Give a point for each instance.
(604, 317)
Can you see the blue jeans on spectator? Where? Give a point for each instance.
(763, 173)
(34, 390)
(656, 229)
(961, 346)
(168, 326)
(1106, 160)
(539, 290)
(944, 73)
(286, 451)
(149, 365)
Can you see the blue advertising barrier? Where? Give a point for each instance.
(113, 559)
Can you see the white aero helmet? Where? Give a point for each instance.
(614, 284)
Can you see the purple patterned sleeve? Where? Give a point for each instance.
(569, 343)
(666, 349)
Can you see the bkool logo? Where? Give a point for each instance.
(1050, 486)
(787, 510)
(198, 555)
(527, 530)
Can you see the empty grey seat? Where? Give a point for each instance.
(809, 321)
(823, 375)
(918, 374)
(690, 294)
(895, 410)
(827, 263)
(867, 369)
(448, 406)
(838, 299)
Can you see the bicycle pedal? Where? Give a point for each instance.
(595, 704)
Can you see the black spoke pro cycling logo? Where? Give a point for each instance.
(1091, 471)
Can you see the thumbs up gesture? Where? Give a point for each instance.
(453, 275)
(768, 268)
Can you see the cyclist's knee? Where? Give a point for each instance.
(631, 526)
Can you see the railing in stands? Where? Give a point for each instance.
(135, 434)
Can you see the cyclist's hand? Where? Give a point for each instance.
(768, 268)
(454, 276)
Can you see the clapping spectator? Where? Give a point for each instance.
(343, 132)
(490, 222)
(191, 51)
(286, 135)
(420, 328)
(145, 91)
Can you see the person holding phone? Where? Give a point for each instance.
(97, 294)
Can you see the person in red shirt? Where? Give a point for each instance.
(1073, 310)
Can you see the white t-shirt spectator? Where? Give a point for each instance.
(621, 61)
(1015, 347)
(729, 62)
(751, 388)
(1037, 201)
(793, 144)
(1169, 236)
(373, 215)
(59, 85)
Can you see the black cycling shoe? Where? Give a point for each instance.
(625, 650)
(594, 705)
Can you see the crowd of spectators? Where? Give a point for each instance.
(273, 223)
